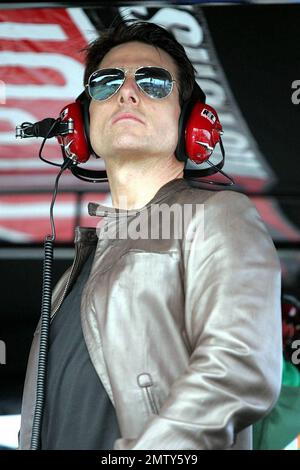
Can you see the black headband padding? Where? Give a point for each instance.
(85, 100)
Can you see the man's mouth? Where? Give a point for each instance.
(126, 116)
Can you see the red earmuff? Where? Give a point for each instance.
(202, 133)
(75, 145)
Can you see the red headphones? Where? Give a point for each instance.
(199, 132)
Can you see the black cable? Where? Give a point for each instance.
(222, 173)
(45, 320)
(44, 339)
(44, 141)
(67, 164)
(217, 170)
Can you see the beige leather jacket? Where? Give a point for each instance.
(184, 332)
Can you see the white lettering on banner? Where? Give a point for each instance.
(134, 13)
(68, 67)
(37, 210)
(242, 154)
(83, 23)
(183, 25)
(206, 71)
(14, 236)
(227, 118)
(10, 30)
(236, 141)
(216, 96)
(196, 55)
(13, 164)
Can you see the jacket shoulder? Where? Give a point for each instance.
(197, 195)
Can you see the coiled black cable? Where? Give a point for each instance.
(44, 339)
(45, 322)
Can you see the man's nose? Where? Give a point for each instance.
(129, 92)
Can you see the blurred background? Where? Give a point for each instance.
(247, 58)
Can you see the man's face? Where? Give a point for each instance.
(152, 129)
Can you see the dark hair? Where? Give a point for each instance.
(148, 33)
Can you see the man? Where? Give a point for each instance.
(157, 342)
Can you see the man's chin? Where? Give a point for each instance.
(130, 151)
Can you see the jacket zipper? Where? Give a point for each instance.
(145, 382)
(151, 400)
(73, 268)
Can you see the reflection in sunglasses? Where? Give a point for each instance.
(155, 82)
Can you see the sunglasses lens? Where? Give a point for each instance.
(154, 81)
(104, 83)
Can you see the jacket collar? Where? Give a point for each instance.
(88, 235)
(100, 210)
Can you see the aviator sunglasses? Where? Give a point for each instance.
(155, 82)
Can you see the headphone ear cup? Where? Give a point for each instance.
(84, 100)
(187, 108)
(202, 133)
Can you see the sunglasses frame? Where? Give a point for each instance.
(125, 71)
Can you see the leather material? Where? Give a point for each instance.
(184, 333)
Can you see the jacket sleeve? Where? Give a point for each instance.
(233, 322)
